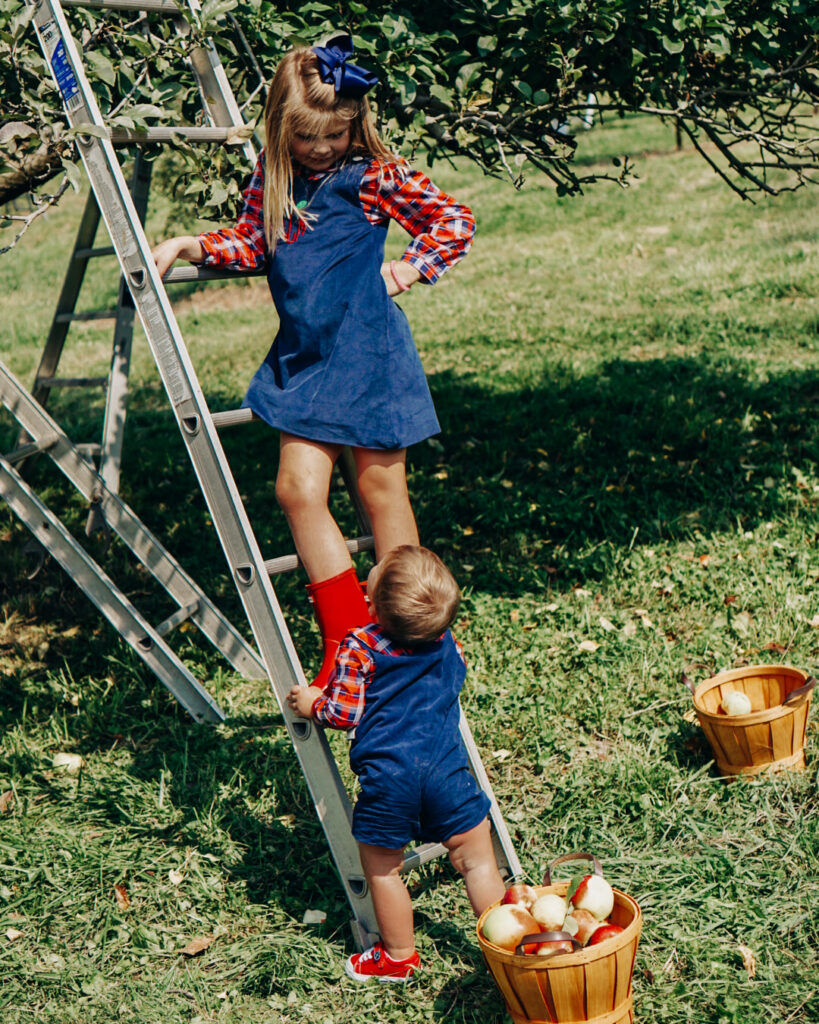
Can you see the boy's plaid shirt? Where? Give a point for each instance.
(342, 702)
(441, 228)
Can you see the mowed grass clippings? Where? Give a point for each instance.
(626, 488)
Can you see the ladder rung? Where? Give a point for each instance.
(94, 314)
(179, 274)
(287, 563)
(71, 382)
(178, 617)
(155, 6)
(422, 855)
(90, 254)
(32, 448)
(89, 450)
(232, 418)
(128, 136)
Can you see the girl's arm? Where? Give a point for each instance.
(442, 228)
(242, 246)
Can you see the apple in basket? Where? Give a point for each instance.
(549, 910)
(554, 946)
(735, 702)
(581, 924)
(520, 893)
(506, 924)
(595, 895)
(605, 931)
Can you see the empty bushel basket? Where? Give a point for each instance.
(591, 984)
(772, 735)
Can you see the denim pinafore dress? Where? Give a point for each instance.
(407, 752)
(343, 368)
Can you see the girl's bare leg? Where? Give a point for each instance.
(382, 482)
(302, 490)
(391, 901)
(473, 856)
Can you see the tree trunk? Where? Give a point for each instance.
(32, 171)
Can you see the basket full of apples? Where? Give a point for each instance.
(564, 951)
(755, 718)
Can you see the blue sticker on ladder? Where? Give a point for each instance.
(63, 73)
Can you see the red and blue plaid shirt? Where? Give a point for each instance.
(441, 228)
(342, 703)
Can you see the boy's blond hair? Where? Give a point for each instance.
(299, 101)
(415, 596)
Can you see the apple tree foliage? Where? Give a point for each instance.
(505, 83)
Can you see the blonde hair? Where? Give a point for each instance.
(298, 101)
(415, 595)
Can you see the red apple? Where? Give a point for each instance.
(520, 893)
(506, 924)
(605, 931)
(595, 895)
(581, 924)
(555, 946)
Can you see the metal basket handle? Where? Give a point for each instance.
(577, 855)
(797, 697)
(548, 937)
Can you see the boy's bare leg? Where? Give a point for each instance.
(381, 477)
(473, 856)
(392, 903)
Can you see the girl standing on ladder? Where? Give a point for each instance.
(343, 368)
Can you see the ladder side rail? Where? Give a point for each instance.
(67, 302)
(244, 558)
(129, 528)
(113, 427)
(103, 592)
(505, 855)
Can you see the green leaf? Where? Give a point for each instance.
(101, 66)
(72, 172)
(672, 45)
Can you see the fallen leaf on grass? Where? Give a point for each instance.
(6, 801)
(314, 917)
(175, 877)
(742, 623)
(605, 624)
(587, 645)
(705, 561)
(774, 646)
(12, 934)
(748, 960)
(501, 755)
(814, 622)
(729, 599)
(197, 945)
(122, 897)
(71, 762)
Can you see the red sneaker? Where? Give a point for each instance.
(376, 962)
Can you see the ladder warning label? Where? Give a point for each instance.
(65, 77)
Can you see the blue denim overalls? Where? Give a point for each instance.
(408, 753)
(343, 368)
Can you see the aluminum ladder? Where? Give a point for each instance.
(199, 430)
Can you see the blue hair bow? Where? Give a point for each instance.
(348, 79)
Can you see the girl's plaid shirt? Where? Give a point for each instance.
(441, 228)
(342, 703)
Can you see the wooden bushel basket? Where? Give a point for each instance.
(591, 984)
(772, 735)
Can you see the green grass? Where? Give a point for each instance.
(626, 385)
